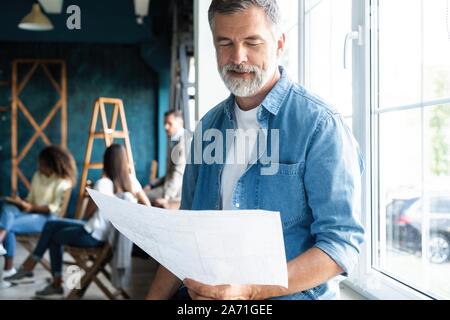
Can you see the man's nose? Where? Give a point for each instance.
(239, 55)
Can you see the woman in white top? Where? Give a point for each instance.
(116, 179)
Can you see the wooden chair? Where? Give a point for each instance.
(93, 261)
(29, 240)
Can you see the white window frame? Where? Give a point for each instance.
(367, 280)
(301, 42)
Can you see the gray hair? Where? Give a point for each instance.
(234, 6)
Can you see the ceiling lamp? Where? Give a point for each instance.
(36, 20)
(52, 6)
(141, 10)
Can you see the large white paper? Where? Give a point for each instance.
(212, 247)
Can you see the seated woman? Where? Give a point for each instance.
(93, 233)
(55, 176)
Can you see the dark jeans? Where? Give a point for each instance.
(181, 295)
(58, 233)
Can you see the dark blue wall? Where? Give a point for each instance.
(102, 21)
(110, 56)
(93, 71)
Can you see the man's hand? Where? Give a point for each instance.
(200, 291)
(161, 203)
(26, 206)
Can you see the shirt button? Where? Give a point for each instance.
(237, 205)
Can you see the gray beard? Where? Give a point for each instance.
(245, 87)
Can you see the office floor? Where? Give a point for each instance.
(142, 275)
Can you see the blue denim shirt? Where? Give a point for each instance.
(316, 187)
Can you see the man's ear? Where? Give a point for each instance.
(281, 44)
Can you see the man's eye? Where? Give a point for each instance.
(225, 44)
(254, 44)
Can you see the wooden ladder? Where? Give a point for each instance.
(108, 134)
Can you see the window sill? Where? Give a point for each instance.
(377, 286)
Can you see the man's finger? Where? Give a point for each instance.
(195, 296)
(201, 289)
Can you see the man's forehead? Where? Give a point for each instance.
(250, 22)
(173, 118)
(243, 36)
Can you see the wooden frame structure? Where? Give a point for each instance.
(18, 105)
(108, 134)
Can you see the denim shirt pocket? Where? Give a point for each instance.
(283, 191)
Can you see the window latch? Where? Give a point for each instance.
(353, 35)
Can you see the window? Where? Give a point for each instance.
(289, 11)
(440, 205)
(327, 22)
(412, 145)
(395, 90)
(412, 125)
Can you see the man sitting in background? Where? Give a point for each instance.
(166, 191)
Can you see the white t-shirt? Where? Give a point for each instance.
(97, 226)
(242, 152)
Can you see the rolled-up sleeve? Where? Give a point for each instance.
(333, 184)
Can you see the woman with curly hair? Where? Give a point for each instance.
(56, 174)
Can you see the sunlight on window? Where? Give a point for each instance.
(289, 11)
(327, 24)
(414, 144)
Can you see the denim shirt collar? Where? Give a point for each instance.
(272, 102)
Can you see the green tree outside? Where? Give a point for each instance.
(439, 124)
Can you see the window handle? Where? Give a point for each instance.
(353, 35)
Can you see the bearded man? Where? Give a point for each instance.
(315, 186)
